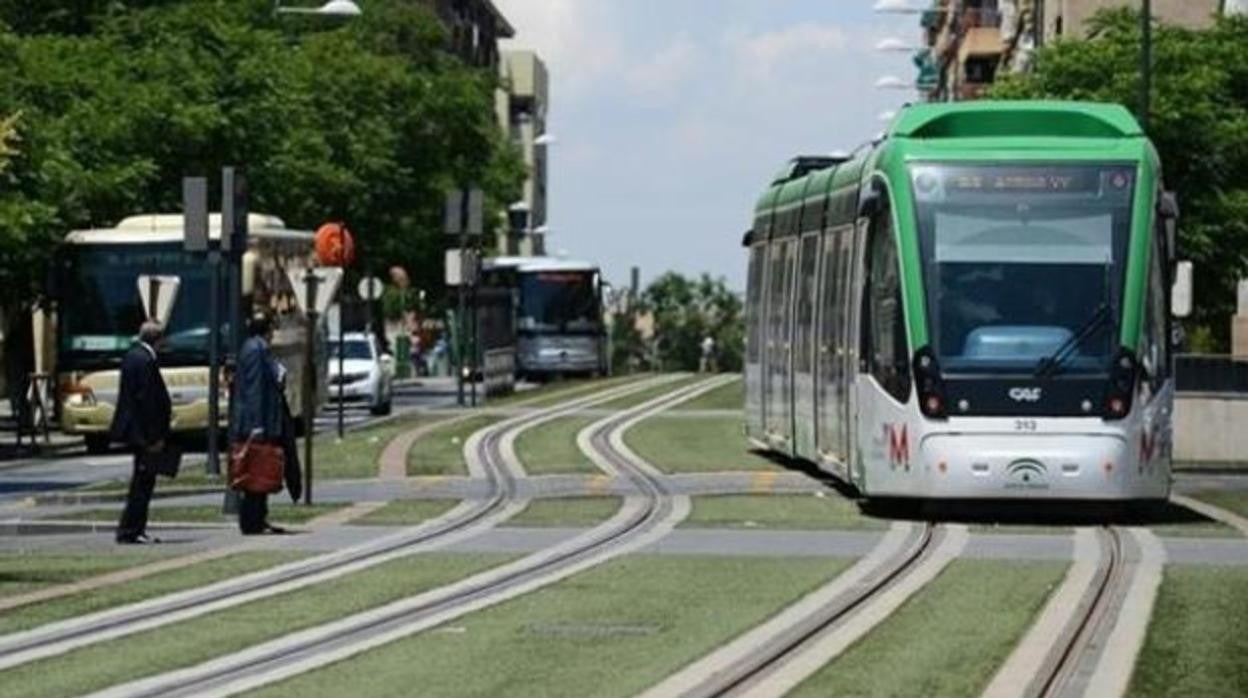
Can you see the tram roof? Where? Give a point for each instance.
(1015, 118)
(169, 228)
(535, 264)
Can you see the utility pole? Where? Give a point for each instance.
(1146, 63)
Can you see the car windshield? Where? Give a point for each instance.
(1017, 259)
(559, 302)
(102, 319)
(355, 349)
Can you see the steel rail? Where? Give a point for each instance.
(773, 653)
(346, 637)
(61, 637)
(1075, 642)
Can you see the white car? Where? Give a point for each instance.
(367, 373)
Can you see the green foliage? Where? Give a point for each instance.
(685, 311)
(6, 139)
(366, 121)
(1199, 123)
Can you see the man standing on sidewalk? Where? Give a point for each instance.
(141, 422)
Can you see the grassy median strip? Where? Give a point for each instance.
(355, 456)
(949, 639)
(200, 574)
(282, 512)
(566, 512)
(634, 399)
(611, 631)
(198, 640)
(26, 571)
(555, 392)
(407, 512)
(551, 447)
(725, 397)
(1196, 644)
(779, 511)
(1235, 501)
(441, 452)
(707, 444)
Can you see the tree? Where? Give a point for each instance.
(685, 312)
(1198, 122)
(367, 121)
(6, 139)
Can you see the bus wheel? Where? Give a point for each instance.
(97, 444)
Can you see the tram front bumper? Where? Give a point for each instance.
(1040, 466)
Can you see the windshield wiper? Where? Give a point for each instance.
(1050, 364)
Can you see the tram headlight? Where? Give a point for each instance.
(931, 386)
(1122, 381)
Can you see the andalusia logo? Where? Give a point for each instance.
(1027, 474)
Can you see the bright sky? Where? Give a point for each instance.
(671, 115)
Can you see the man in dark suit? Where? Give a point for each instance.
(141, 422)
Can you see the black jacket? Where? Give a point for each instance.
(143, 407)
(257, 395)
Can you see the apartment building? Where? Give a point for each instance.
(522, 105)
(475, 27)
(969, 41)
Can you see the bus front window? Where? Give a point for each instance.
(559, 302)
(100, 309)
(1019, 262)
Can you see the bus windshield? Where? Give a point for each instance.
(559, 302)
(100, 309)
(1019, 262)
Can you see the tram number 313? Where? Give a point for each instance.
(1025, 425)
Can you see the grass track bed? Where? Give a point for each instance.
(566, 512)
(23, 572)
(629, 401)
(280, 512)
(778, 511)
(947, 640)
(710, 444)
(725, 397)
(356, 456)
(551, 448)
(1197, 644)
(1235, 501)
(407, 512)
(198, 640)
(611, 631)
(441, 452)
(27, 617)
(555, 392)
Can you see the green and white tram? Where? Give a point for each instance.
(976, 306)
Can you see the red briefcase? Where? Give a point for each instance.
(257, 468)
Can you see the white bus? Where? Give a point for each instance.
(99, 312)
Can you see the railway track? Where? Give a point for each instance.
(776, 656)
(488, 461)
(641, 520)
(1087, 637)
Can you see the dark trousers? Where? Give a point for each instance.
(253, 512)
(134, 517)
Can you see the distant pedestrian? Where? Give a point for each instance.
(418, 355)
(141, 422)
(262, 419)
(707, 362)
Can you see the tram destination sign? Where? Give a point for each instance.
(1070, 181)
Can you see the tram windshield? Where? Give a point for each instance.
(559, 301)
(1023, 262)
(102, 318)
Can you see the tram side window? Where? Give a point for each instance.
(883, 314)
(806, 303)
(1155, 347)
(754, 315)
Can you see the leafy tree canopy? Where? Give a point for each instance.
(685, 311)
(1198, 121)
(6, 139)
(366, 121)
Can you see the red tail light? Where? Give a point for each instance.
(1121, 388)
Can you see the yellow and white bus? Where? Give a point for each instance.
(98, 313)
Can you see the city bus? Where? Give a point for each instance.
(99, 310)
(559, 316)
(975, 306)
